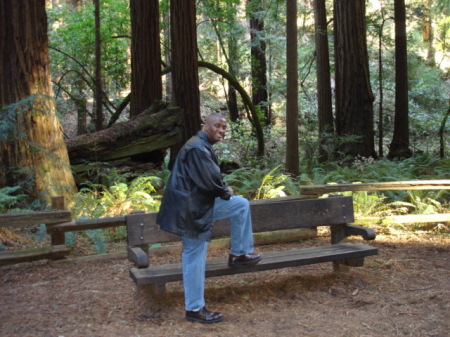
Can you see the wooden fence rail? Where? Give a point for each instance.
(59, 221)
(383, 186)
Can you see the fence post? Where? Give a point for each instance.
(58, 238)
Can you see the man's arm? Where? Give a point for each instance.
(205, 173)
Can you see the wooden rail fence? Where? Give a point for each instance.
(59, 221)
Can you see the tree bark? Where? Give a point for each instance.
(354, 98)
(428, 33)
(32, 150)
(258, 59)
(232, 69)
(399, 147)
(146, 83)
(158, 127)
(98, 70)
(324, 98)
(292, 158)
(185, 80)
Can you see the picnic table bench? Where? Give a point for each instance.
(282, 214)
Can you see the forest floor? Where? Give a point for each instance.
(403, 291)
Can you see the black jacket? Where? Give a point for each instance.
(194, 183)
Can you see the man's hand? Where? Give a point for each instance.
(230, 190)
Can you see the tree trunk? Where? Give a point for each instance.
(380, 86)
(258, 59)
(325, 110)
(292, 159)
(428, 33)
(168, 83)
(442, 133)
(98, 70)
(146, 83)
(354, 98)
(185, 67)
(157, 128)
(399, 147)
(232, 69)
(32, 150)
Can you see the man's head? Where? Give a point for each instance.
(215, 127)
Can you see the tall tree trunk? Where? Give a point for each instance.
(146, 82)
(292, 159)
(32, 150)
(442, 133)
(98, 70)
(185, 66)
(232, 69)
(258, 58)
(324, 102)
(399, 147)
(380, 86)
(80, 85)
(428, 33)
(168, 83)
(354, 98)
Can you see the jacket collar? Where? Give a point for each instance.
(203, 136)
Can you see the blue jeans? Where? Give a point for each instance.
(193, 258)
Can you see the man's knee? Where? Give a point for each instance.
(242, 202)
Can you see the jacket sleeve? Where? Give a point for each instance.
(205, 174)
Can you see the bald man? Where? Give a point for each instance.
(196, 195)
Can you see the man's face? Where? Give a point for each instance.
(215, 129)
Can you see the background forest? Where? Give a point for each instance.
(247, 41)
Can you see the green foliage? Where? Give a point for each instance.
(257, 183)
(120, 198)
(99, 240)
(41, 233)
(72, 52)
(11, 115)
(384, 203)
(419, 167)
(10, 198)
(426, 202)
(368, 204)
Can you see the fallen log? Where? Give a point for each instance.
(157, 128)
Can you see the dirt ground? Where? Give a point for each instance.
(404, 291)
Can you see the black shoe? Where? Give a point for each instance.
(204, 316)
(235, 261)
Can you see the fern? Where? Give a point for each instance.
(257, 183)
(95, 200)
(10, 197)
(97, 237)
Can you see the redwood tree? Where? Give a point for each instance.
(354, 98)
(292, 159)
(399, 147)
(98, 94)
(185, 80)
(324, 103)
(32, 149)
(258, 58)
(146, 83)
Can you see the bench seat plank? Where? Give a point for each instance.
(272, 260)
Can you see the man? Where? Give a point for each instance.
(196, 195)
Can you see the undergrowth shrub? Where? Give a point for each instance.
(10, 199)
(258, 183)
(97, 201)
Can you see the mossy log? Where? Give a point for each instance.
(158, 127)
